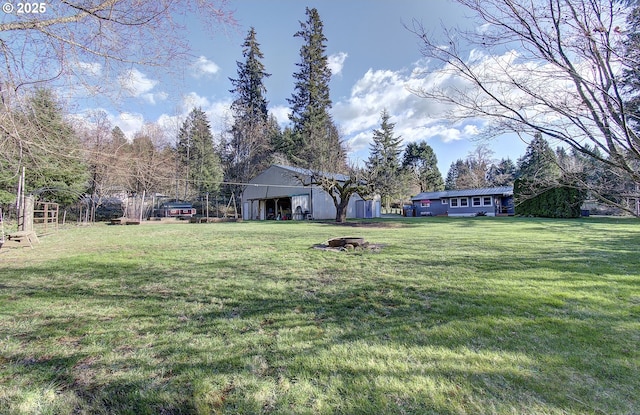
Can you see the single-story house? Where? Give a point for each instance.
(491, 201)
(288, 193)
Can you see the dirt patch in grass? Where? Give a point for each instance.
(366, 224)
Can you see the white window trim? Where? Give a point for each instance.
(459, 202)
(456, 202)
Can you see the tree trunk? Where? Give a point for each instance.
(341, 211)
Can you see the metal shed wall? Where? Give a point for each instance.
(281, 182)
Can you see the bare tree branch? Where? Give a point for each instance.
(539, 66)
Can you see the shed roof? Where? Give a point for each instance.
(286, 178)
(486, 191)
(307, 172)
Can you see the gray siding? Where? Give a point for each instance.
(435, 208)
(461, 202)
(279, 182)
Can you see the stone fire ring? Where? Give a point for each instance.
(354, 241)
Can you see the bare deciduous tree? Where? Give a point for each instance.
(551, 67)
(340, 187)
(84, 38)
(88, 47)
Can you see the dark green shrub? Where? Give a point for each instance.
(554, 202)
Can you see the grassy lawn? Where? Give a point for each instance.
(452, 316)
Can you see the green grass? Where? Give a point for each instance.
(452, 316)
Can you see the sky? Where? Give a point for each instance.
(373, 58)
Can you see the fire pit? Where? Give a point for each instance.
(347, 243)
(343, 241)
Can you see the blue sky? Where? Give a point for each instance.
(373, 56)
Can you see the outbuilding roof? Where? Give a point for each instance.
(309, 173)
(486, 191)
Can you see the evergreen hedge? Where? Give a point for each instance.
(555, 202)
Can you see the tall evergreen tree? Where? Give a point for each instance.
(249, 148)
(200, 161)
(118, 138)
(384, 163)
(542, 187)
(285, 146)
(421, 162)
(249, 89)
(452, 176)
(314, 141)
(120, 150)
(502, 174)
(539, 161)
(458, 170)
(52, 151)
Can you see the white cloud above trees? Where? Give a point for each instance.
(204, 67)
(137, 84)
(336, 62)
(415, 118)
(356, 114)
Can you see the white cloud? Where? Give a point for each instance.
(281, 112)
(153, 99)
(193, 100)
(415, 118)
(379, 90)
(129, 123)
(359, 141)
(375, 91)
(89, 68)
(471, 130)
(204, 67)
(336, 62)
(218, 111)
(219, 115)
(136, 83)
(170, 123)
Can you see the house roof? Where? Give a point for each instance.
(487, 191)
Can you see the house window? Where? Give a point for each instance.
(445, 201)
(459, 202)
(425, 204)
(486, 201)
(476, 201)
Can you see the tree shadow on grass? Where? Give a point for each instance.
(336, 336)
(196, 340)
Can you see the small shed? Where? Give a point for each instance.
(490, 201)
(288, 193)
(175, 209)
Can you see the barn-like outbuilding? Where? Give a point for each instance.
(288, 193)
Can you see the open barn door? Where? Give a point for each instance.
(300, 206)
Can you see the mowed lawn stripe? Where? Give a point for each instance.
(451, 316)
